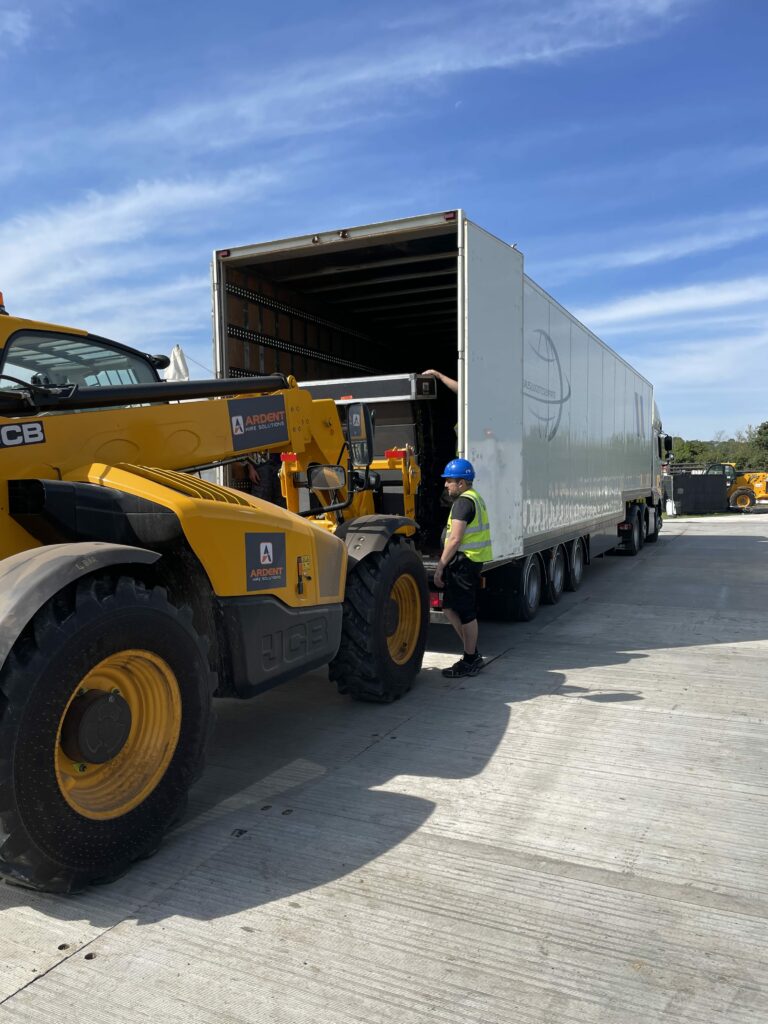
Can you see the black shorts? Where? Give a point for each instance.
(462, 582)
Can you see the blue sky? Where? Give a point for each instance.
(623, 144)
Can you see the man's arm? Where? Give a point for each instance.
(452, 544)
(449, 382)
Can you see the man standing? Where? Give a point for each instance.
(466, 545)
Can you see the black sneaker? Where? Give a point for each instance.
(468, 665)
(474, 664)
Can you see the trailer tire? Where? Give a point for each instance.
(554, 580)
(529, 577)
(384, 628)
(743, 499)
(575, 572)
(634, 539)
(653, 535)
(106, 702)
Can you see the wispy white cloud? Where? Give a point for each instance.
(691, 298)
(442, 41)
(674, 327)
(15, 27)
(97, 262)
(718, 363)
(674, 242)
(58, 239)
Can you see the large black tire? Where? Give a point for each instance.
(528, 586)
(576, 561)
(554, 580)
(634, 540)
(68, 819)
(384, 630)
(653, 535)
(743, 499)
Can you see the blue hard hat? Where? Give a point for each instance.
(459, 469)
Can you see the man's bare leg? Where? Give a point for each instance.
(455, 621)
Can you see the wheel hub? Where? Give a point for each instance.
(96, 727)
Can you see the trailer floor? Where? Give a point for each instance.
(576, 835)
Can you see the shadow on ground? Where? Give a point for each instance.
(294, 795)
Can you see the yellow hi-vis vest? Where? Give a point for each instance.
(476, 542)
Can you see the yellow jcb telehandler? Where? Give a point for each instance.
(132, 590)
(745, 487)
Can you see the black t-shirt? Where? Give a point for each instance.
(464, 509)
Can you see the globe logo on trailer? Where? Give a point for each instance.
(545, 386)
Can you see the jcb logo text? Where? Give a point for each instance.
(14, 434)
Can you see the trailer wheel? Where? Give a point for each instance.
(634, 541)
(653, 535)
(743, 499)
(528, 587)
(105, 718)
(575, 572)
(554, 582)
(384, 628)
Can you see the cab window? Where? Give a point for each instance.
(38, 357)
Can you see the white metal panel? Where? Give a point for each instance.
(586, 421)
(490, 368)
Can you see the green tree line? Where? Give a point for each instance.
(747, 450)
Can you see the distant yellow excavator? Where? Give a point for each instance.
(745, 490)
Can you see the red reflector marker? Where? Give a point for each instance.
(345, 398)
(394, 453)
(289, 457)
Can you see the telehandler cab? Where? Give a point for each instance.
(133, 590)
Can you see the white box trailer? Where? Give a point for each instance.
(562, 432)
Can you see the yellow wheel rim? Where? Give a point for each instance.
(401, 641)
(112, 789)
(743, 501)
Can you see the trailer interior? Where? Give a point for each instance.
(357, 308)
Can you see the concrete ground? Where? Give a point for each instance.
(576, 835)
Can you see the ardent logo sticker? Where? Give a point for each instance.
(257, 422)
(265, 561)
(13, 435)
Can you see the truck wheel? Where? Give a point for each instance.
(528, 587)
(575, 565)
(554, 582)
(653, 536)
(743, 499)
(634, 539)
(384, 629)
(105, 717)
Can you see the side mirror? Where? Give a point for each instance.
(360, 434)
(667, 443)
(326, 478)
